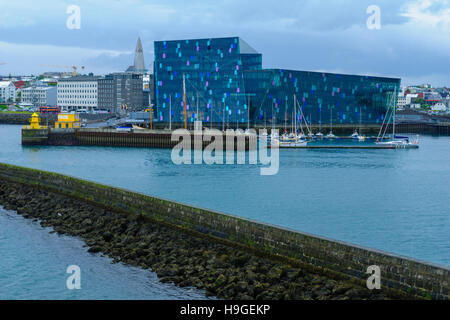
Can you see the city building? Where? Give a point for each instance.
(439, 107)
(225, 83)
(213, 70)
(411, 97)
(68, 121)
(121, 89)
(432, 97)
(7, 92)
(78, 94)
(139, 63)
(402, 101)
(39, 96)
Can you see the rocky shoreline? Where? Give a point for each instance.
(177, 257)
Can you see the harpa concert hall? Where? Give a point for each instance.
(226, 83)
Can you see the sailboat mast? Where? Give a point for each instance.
(320, 120)
(285, 118)
(295, 113)
(331, 120)
(265, 120)
(170, 113)
(292, 123)
(310, 122)
(223, 118)
(248, 113)
(197, 117)
(273, 120)
(184, 101)
(395, 107)
(360, 121)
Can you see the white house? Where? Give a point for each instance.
(410, 97)
(401, 101)
(78, 93)
(7, 92)
(440, 107)
(39, 96)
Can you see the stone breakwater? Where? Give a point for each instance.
(177, 257)
(24, 118)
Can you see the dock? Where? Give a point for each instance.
(159, 139)
(341, 147)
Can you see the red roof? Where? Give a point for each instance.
(19, 84)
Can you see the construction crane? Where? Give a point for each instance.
(75, 68)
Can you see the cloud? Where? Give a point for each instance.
(28, 59)
(434, 13)
(326, 35)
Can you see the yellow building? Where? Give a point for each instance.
(68, 121)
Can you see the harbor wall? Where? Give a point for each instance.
(46, 119)
(24, 118)
(326, 256)
(114, 138)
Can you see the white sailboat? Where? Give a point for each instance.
(397, 142)
(293, 140)
(273, 133)
(331, 135)
(319, 135)
(361, 138)
(303, 136)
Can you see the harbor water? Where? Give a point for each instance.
(391, 200)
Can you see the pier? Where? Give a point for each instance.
(160, 139)
(361, 147)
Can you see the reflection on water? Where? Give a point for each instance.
(34, 263)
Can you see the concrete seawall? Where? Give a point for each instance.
(114, 138)
(23, 118)
(325, 255)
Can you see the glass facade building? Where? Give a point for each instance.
(225, 83)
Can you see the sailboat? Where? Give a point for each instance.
(331, 135)
(319, 135)
(295, 140)
(361, 138)
(397, 142)
(303, 118)
(310, 134)
(273, 133)
(356, 135)
(287, 136)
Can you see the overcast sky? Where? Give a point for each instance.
(317, 35)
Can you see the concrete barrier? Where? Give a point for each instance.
(327, 256)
